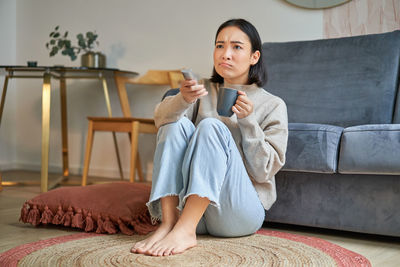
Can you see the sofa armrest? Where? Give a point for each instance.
(370, 149)
(312, 148)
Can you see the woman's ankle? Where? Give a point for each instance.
(168, 224)
(186, 227)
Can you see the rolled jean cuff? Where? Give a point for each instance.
(182, 202)
(154, 207)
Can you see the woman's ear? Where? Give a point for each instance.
(255, 57)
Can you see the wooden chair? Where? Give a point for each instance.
(129, 124)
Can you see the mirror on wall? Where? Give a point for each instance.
(316, 4)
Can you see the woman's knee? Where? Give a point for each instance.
(181, 128)
(211, 125)
(210, 122)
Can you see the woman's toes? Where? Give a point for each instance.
(136, 247)
(141, 249)
(154, 252)
(167, 252)
(151, 250)
(160, 252)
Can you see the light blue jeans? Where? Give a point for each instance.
(205, 161)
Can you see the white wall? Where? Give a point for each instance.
(135, 35)
(8, 28)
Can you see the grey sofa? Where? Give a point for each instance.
(342, 166)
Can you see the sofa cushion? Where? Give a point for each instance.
(312, 148)
(344, 81)
(370, 149)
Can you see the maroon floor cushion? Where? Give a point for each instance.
(102, 208)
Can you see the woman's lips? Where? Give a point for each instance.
(225, 65)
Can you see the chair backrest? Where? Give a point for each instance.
(173, 78)
(343, 81)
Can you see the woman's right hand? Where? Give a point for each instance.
(190, 90)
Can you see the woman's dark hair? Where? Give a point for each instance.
(257, 72)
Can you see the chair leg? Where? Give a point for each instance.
(134, 143)
(139, 168)
(1, 180)
(121, 173)
(138, 163)
(88, 152)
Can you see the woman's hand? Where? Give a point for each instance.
(243, 106)
(190, 90)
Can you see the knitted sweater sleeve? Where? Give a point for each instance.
(171, 109)
(264, 144)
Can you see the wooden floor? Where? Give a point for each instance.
(380, 251)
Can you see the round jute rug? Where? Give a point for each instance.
(265, 248)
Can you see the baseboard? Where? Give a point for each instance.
(73, 170)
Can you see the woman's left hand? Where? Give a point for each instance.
(243, 106)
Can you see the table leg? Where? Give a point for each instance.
(3, 97)
(107, 97)
(123, 96)
(45, 132)
(64, 126)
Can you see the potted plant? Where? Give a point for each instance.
(86, 43)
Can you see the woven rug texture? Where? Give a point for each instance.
(265, 248)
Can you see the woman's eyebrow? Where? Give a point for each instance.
(232, 42)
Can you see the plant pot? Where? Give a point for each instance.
(93, 60)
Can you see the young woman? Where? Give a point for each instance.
(216, 176)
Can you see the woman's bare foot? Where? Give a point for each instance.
(143, 246)
(175, 242)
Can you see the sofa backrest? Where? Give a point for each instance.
(343, 81)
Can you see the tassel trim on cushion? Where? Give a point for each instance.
(36, 214)
(47, 216)
(89, 224)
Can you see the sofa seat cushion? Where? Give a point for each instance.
(370, 149)
(312, 147)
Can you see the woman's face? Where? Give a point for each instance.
(233, 56)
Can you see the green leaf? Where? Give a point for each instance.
(51, 34)
(60, 43)
(66, 34)
(71, 52)
(89, 35)
(56, 35)
(82, 44)
(52, 42)
(57, 27)
(47, 45)
(54, 51)
(80, 36)
(67, 43)
(64, 52)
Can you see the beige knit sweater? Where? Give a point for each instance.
(260, 137)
